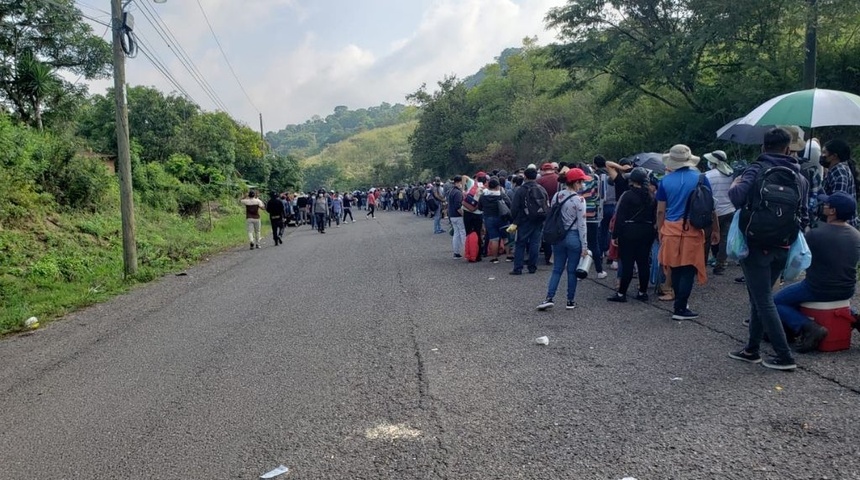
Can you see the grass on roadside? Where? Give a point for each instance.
(65, 262)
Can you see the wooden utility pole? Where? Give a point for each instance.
(810, 60)
(261, 129)
(126, 195)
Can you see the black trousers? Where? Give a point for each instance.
(473, 223)
(320, 222)
(635, 250)
(277, 229)
(347, 211)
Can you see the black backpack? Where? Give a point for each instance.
(536, 202)
(553, 229)
(700, 206)
(771, 216)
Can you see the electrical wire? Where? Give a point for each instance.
(156, 62)
(206, 17)
(166, 35)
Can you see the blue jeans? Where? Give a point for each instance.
(761, 270)
(682, 284)
(528, 237)
(437, 218)
(567, 254)
(494, 227)
(788, 302)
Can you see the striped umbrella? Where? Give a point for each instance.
(807, 108)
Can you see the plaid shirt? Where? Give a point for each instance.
(840, 179)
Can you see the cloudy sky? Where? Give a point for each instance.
(299, 58)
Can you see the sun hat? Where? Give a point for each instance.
(719, 160)
(797, 144)
(844, 205)
(576, 174)
(680, 156)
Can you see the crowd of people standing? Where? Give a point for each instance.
(660, 225)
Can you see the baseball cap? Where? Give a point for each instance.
(576, 174)
(844, 205)
(547, 166)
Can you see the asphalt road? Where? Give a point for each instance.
(368, 352)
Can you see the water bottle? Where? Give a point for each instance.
(584, 266)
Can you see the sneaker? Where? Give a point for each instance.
(257, 246)
(602, 275)
(741, 280)
(547, 262)
(811, 336)
(252, 245)
(745, 356)
(546, 304)
(570, 305)
(532, 270)
(457, 255)
(641, 296)
(685, 314)
(719, 270)
(509, 259)
(495, 260)
(614, 265)
(515, 272)
(777, 363)
(617, 297)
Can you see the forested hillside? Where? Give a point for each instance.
(376, 157)
(626, 79)
(309, 138)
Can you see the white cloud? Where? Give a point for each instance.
(296, 61)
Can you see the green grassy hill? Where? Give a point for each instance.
(376, 157)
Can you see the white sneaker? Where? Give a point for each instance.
(546, 304)
(614, 265)
(602, 275)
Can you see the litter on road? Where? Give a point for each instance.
(542, 340)
(274, 473)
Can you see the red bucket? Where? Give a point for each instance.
(836, 318)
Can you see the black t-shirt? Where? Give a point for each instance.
(835, 254)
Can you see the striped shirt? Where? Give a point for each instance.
(720, 189)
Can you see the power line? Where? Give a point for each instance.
(225, 56)
(156, 62)
(166, 35)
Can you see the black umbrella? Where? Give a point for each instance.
(650, 161)
(742, 133)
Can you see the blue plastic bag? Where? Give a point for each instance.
(799, 258)
(736, 244)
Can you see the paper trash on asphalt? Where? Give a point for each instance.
(677, 379)
(274, 473)
(491, 278)
(542, 340)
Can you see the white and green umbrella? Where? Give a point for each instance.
(807, 108)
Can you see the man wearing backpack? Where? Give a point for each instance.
(773, 199)
(682, 236)
(529, 208)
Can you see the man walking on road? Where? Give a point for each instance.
(277, 216)
(252, 217)
(773, 197)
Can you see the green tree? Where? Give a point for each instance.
(438, 143)
(55, 38)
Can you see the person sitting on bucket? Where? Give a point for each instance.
(835, 248)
